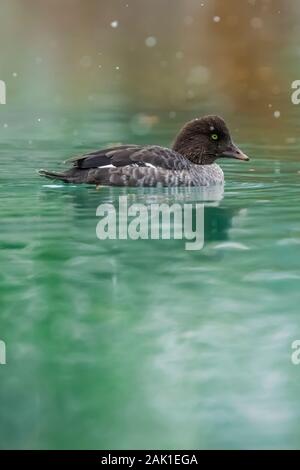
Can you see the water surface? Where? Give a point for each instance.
(142, 344)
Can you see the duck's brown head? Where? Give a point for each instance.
(206, 139)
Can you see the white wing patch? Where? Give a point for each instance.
(149, 165)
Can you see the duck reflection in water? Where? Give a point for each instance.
(218, 218)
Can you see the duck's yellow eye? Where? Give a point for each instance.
(214, 136)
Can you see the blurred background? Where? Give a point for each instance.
(142, 344)
(235, 56)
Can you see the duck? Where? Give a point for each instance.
(191, 161)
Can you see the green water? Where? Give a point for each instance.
(142, 344)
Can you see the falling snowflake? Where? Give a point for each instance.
(217, 19)
(190, 94)
(114, 24)
(188, 20)
(256, 23)
(151, 41)
(277, 114)
(14, 74)
(198, 75)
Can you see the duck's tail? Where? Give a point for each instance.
(70, 176)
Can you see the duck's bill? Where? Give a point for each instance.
(234, 152)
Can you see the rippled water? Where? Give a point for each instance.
(142, 344)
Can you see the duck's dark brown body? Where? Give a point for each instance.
(189, 163)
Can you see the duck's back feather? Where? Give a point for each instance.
(124, 155)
